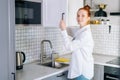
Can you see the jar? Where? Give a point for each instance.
(102, 21)
(107, 21)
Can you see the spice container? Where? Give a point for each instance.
(102, 21)
(107, 22)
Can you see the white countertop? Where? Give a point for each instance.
(101, 59)
(33, 71)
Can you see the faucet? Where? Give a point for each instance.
(43, 54)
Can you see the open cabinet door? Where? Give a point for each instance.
(73, 6)
(52, 12)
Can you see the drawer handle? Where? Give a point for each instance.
(61, 75)
(109, 77)
(13, 75)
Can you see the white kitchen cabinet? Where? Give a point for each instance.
(98, 72)
(73, 6)
(52, 12)
(61, 76)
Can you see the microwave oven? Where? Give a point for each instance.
(27, 12)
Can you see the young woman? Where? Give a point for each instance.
(81, 64)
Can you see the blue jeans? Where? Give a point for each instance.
(81, 77)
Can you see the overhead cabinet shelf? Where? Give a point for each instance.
(115, 13)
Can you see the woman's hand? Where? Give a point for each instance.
(62, 25)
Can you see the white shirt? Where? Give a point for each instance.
(81, 47)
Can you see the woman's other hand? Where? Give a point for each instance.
(62, 25)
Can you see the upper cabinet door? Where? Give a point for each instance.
(73, 6)
(52, 12)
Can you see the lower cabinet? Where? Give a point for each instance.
(98, 72)
(61, 76)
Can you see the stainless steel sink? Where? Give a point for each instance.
(58, 65)
(49, 60)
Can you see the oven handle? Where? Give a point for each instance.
(109, 77)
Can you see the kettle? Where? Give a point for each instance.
(20, 59)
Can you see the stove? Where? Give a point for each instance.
(115, 61)
(112, 73)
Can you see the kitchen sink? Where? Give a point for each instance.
(57, 65)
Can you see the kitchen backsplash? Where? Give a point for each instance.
(106, 43)
(28, 40)
(29, 37)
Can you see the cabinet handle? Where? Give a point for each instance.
(109, 77)
(63, 15)
(61, 75)
(13, 75)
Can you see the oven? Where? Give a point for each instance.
(111, 73)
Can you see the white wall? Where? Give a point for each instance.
(112, 5)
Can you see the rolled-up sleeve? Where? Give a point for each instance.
(72, 45)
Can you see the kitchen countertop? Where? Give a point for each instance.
(101, 59)
(33, 71)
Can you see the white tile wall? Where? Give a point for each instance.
(29, 37)
(54, 35)
(106, 43)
